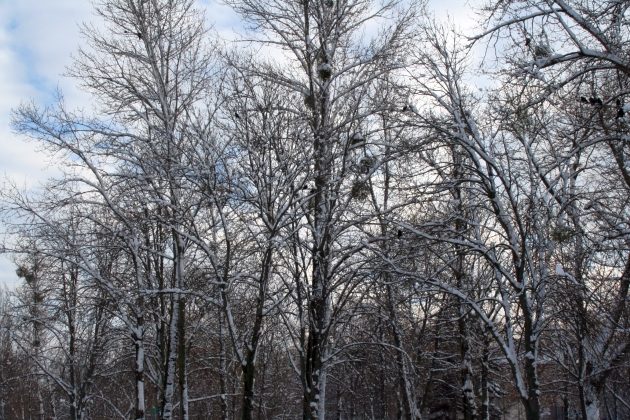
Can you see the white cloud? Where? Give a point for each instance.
(459, 11)
(36, 42)
(221, 18)
(8, 278)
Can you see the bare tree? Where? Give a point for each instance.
(573, 56)
(333, 78)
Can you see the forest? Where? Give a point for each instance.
(354, 211)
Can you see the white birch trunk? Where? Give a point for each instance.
(171, 362)
(139, 371)
(321, 410)
(591, 402)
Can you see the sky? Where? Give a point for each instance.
(37, 41)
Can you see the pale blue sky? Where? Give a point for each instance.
(37, 40)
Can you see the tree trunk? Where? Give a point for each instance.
(249, 370)
(589, 396)
(181, 359)
(485, 382)
(138, 337)
(171, 360)
(223, 370)
(313, 372)
(532, 403)
(314, 407)
(407, 389)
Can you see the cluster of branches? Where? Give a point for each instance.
(331, 222)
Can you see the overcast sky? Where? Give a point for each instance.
(37, 40)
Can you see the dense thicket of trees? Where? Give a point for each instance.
(331, 221)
